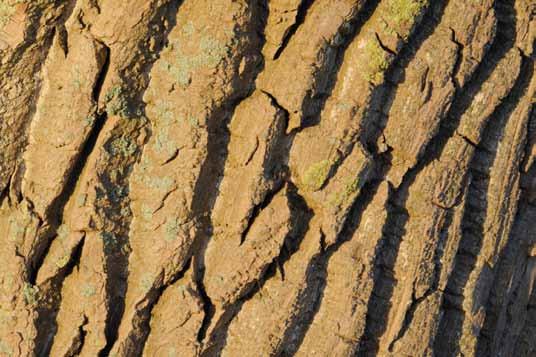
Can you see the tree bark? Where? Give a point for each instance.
(267, 178)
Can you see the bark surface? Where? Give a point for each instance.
(267, 178)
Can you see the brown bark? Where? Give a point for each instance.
(267, 178)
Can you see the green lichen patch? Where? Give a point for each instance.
(5, 349)
(6, 12)
(172, 352)
(62, 261)
(30, 293)
(404, 12)
(316, 175)
(350, 189)
(377, 62)
(188, 29)
(63, 232)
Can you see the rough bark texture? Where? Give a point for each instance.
(267, 178)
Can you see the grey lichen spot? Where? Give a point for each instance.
(209, 54)
(89, 120)
(163, 144)
(161, 183)
(109, 240)
(172, 227)
(16, 230)
(164, 113)
(122, 146)
(78, 81)
(146, 212)
(116, 102)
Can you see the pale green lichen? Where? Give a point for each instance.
(63, 231)
(343, 106)
(316, 175)
(62, 261)
(5, 349)
(147, 281)
(404, 12)
(194, 122)
(113, 92)
(30, 293)
(143, 176)
(146, 212)
(81, 200)
(6, 12)
(377, 62)
(88, 290)
(78, 81)
(188, 29)
(350, 189)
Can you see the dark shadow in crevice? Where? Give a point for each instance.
(316, 275)
(300, 18)
(211, 174)
(116, 190)
(49, 304)
(379, 304)
(313, 105)
(301, 216)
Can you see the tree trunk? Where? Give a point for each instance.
(267, 178)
